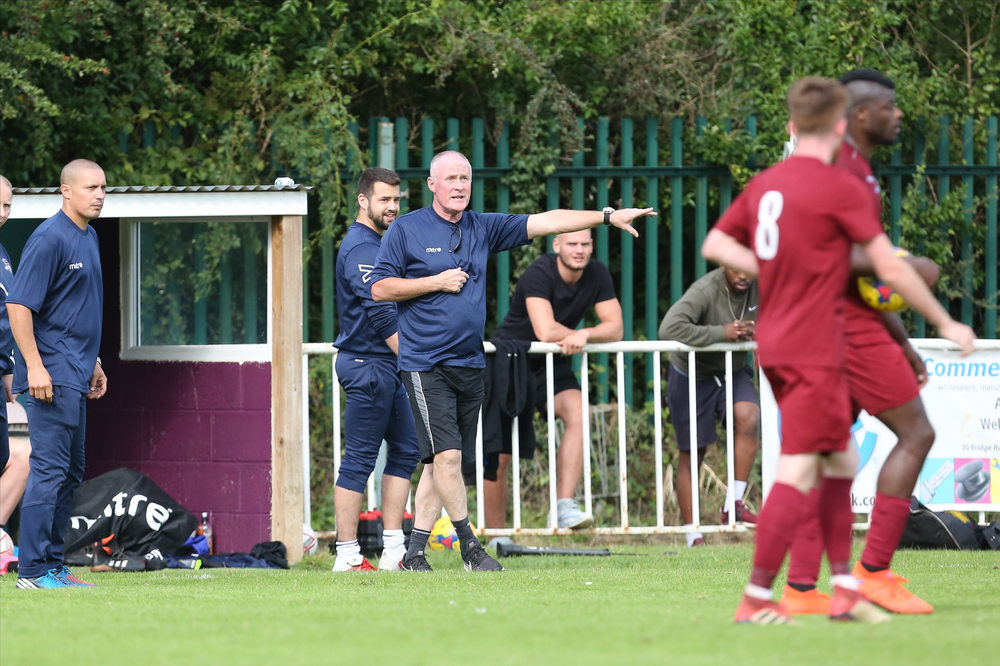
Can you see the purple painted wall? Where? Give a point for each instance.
(201, 431)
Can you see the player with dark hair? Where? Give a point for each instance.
(720, 306)
(376, 406)
(885, 374)
(800, 217)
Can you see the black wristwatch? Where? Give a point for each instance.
(607, 214)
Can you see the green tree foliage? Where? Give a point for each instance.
(238, 91)
(197, 92)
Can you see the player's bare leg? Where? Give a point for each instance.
(426, 503)
(395, 490)
(449, 484)
(896, 480)
(347, 505)
(426, 510)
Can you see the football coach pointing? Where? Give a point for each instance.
(433, 263)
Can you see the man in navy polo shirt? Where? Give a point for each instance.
(432, 261)
(55, 307)
(376, 407)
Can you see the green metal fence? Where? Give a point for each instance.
(651, 165)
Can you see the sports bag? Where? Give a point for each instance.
(937, 529)
(129, 506)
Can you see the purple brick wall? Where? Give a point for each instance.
(201, 431)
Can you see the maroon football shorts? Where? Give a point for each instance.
(879, 376)
(815, 407)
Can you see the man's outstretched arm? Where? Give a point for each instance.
(560, 221)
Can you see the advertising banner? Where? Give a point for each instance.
(962, 400)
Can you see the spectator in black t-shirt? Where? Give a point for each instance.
(551, 298)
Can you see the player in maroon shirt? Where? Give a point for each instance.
(885, 375)
(794, 226)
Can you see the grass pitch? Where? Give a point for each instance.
(661, 604)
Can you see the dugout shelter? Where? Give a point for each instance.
(202, 345)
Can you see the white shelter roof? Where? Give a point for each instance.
(140, 201)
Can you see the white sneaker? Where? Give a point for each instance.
(571, 517)
(390, 559)
(352, 563)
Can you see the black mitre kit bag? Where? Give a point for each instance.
(129, 505)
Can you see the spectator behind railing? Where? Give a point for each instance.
(721, 306)
(551, 299)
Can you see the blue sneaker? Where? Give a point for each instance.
(66, 576)
(46, 582)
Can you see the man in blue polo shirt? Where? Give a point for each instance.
(433, 263)
(55, 307)
(376, 407)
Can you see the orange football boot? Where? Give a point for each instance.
(851, 606)
(885, 589)
(810, 602)
(758, 611)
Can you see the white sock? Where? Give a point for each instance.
(739, 489)
(758, 592)
(348, 548)
(393, 540)
(691, 536)
(846, 581)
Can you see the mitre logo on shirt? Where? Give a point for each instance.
(6, 266)
(874, 183)
(366, 272)
(432, 250)
(76, 266)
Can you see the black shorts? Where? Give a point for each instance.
(445, 401)
(563, 377)
(710, 394)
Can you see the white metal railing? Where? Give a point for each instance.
(770, 448)
(619, 349)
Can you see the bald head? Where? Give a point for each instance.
(83, 187)
(450, 182)
(6, 195)
(448, 159)
(72, 172)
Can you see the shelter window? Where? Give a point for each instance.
(196, 290)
